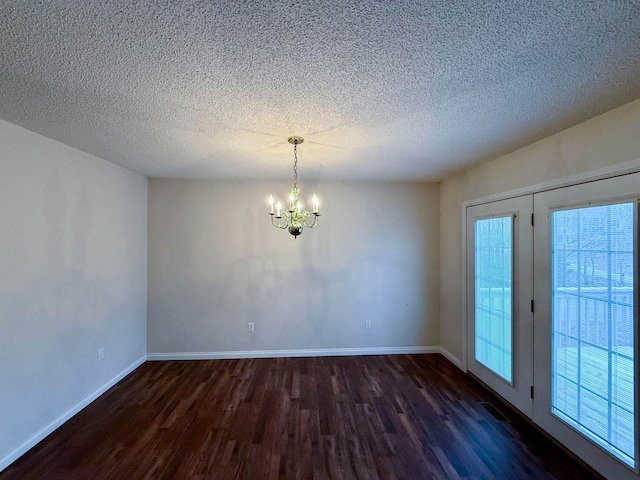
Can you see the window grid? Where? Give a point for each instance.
(493, 271)
(592, 342)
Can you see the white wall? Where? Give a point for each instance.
(216, 263)
(72, 280)
(609, 139)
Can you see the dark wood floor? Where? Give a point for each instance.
(375, 417)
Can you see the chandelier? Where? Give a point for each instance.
(294, 218)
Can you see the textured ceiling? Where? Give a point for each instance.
(402, 90)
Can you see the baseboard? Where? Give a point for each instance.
(26, 446)
(320, 352)
(452, 358)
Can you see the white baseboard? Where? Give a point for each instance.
(452, 358)
(320, 352)
(26, 446)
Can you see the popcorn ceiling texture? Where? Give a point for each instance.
(379, 90)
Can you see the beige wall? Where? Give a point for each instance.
(73, 275)
(216, 263)
(611, 138)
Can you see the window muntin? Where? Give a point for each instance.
(592, 324)
(493, 253)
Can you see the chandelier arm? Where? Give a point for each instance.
(283, 222)
(315, 222)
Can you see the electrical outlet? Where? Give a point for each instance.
(251, 326)
(100, 354)
(367, 325)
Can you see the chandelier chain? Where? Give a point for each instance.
(295, 165)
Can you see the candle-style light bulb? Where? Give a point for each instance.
(299, 207)
(271, 204)
(316, 203)
(279, 209)
(291, 200)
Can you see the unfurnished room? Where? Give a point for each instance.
(319, 239)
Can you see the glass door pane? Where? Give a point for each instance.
(586, 317)
(592, 305)
(493, 253)
(499, 286)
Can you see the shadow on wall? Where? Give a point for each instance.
(298, 294)
(56, 317)
(295, 309)
(216, 264)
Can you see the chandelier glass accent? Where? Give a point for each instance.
(295, 218)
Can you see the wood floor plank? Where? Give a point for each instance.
(374, 417)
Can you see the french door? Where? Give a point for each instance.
(586, 340)
(499, 293)
(577, 322)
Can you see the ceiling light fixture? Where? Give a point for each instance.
(295, 217)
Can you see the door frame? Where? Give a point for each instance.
(625, 168)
